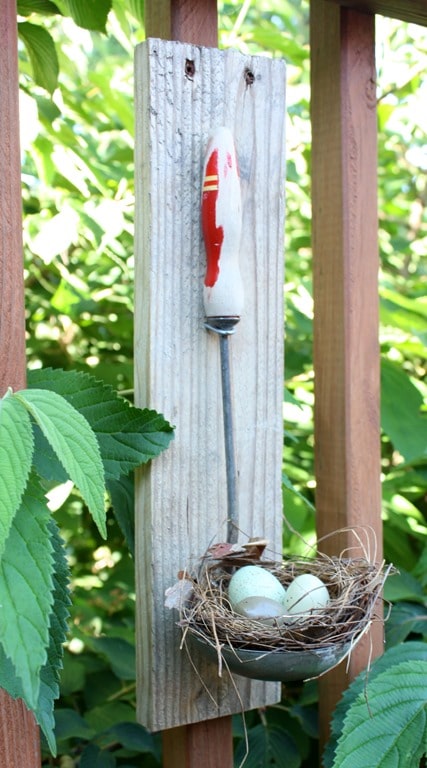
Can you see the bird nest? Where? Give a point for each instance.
(354, 586)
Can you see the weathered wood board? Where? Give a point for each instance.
(183, 92)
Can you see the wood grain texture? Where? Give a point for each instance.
(19, 735)
(12, 318)
(407, 10)
(346, 349)
(183, 20)
(181, 497)
(208, 744)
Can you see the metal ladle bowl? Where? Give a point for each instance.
(276, 665)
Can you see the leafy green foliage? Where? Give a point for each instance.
(89, 14)
(408, 653)
(127, 436)
(33, 569)
(26, 586)
(381, 720)
(74, 444)
(268, 746)
(16, 451)
(402, 417)
(42, 52)
(58, 626)
(45, 7)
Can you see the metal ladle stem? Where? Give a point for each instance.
(224, 327)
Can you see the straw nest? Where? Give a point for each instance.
(354, 587)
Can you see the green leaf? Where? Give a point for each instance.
(408, 651)
(287, 482)
(127, 436)
(16, 451)
(401, 417)
(137, 9)
(403, 586)
(268, 746)
(405, 619)
(26, 589)
(89, 14)
(8, 677)
(45, 461)
(70, 725)
(50, 674)
(135, 737)
(122, 492)
(42, 53)
(73, 675)
(386, 726)
(119, 653)
(74, 443)
(104, 717)
(95, 757)
(407, 313)
(45, 7)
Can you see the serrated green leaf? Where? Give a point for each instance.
(74, 443)
(45, 460)
(409, 651)
(16, 452)
(9, 680)
(89, 14)
(127, 436)
(26, 589)
(50, 674)
(42, 53)
(386, 726)
(27, 7)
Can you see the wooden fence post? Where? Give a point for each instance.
(346, 347)
(19, 734)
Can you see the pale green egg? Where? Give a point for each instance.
(254, 581)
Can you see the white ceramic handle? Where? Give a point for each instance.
(222, 227)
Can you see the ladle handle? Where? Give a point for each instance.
(222, 228)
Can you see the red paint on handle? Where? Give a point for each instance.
(221, 219)
(212, 234)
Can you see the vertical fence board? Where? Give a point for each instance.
(181, 497)
(183, 20)
(12, 324)
(346, 348)
(19, 735)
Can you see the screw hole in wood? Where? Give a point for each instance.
(189, 69)
(249, 77)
